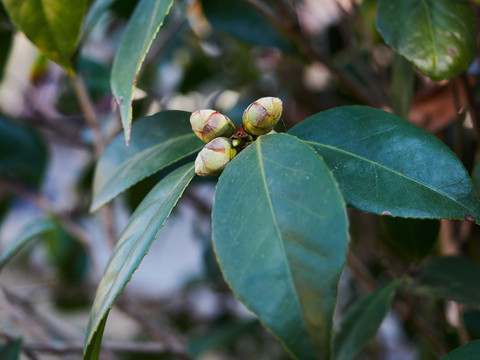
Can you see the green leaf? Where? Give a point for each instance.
(136, 41)
(11, 350)
(132, 246)
(410, 239)
(476, 177)
(159, 140)
(280, 237)
(387, 165)
(451, 278)
(403, 81)
(23, 155)
(469, 351)
(52, 25)
(237, 18)
(361, 321)
(95, 12)
(31, 232)
(437, 36)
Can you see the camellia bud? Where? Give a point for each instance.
(213, 158)
(262, 115)
(210, 124)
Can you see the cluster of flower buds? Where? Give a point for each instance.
(223, 140)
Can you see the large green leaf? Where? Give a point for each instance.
(280, 236)
(132, 246)
(139, 34)
(23, 155)
(159, 140)
(469, 351)
(451, 278)
(31, 232)
(361, 322)
(52, 25)
(387, 165)
(437, 36)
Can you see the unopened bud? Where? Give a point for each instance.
(210, 124)
(213, 158)
(262, 115)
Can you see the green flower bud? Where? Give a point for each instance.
(210, 124)
(213, 158)
(262, 115)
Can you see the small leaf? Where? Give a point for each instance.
(362, 320)
(31, 232)
(437, 36)
(280, 237)
(386, 165)
(469, 351)
(132, 246)
(136, 41)
(159, 140)
(95, 12)
(11, 350)
(451, 278)
(53, 26)
(23, 155)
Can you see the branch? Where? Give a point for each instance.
(290, 29)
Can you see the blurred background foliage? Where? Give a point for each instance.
(219, 54)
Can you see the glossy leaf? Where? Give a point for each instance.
(11, 350)
(387, 165)
(31, 232)
(437, 36)
(52, 25)
(159, 140)
(469, 351)
(361, 322)
(23, 155)
(476, 177)
(132, 246)
(280, 237)
(451, 278)
(136, 41)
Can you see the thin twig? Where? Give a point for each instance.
(118, 347)
(67, 223)
(290, 30)
(363, 275)
(93, 122)
(21, 318)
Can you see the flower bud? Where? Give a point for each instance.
(213, 158)
(262, 115)
(210, 124)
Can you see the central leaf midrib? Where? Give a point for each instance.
(389, 170)
(277, 228)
